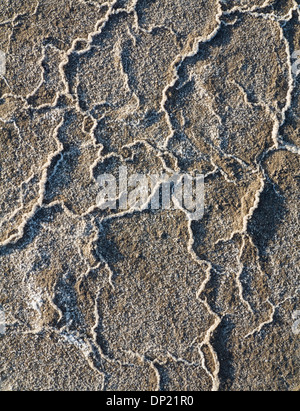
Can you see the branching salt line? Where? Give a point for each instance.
(262, 325)
(42, 185)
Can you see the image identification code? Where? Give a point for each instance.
(154, 400)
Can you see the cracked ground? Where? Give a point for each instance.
(108, 300)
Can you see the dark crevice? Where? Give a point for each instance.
(266, 219)
(221, 342)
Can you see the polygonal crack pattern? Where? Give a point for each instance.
(148, 300)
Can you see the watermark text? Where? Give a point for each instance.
(296, 325)
(2, 322)
(296, 64)
(2, 63)
(139, 192)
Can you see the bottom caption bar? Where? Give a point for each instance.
(137, 400)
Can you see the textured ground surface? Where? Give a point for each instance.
(149, 300)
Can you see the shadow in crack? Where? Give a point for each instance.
(107, 250)
(222, 344)
(107, 245)
(31, 229)
(265, 222)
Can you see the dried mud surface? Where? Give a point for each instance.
(149, 300)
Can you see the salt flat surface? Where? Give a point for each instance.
(125, 300)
